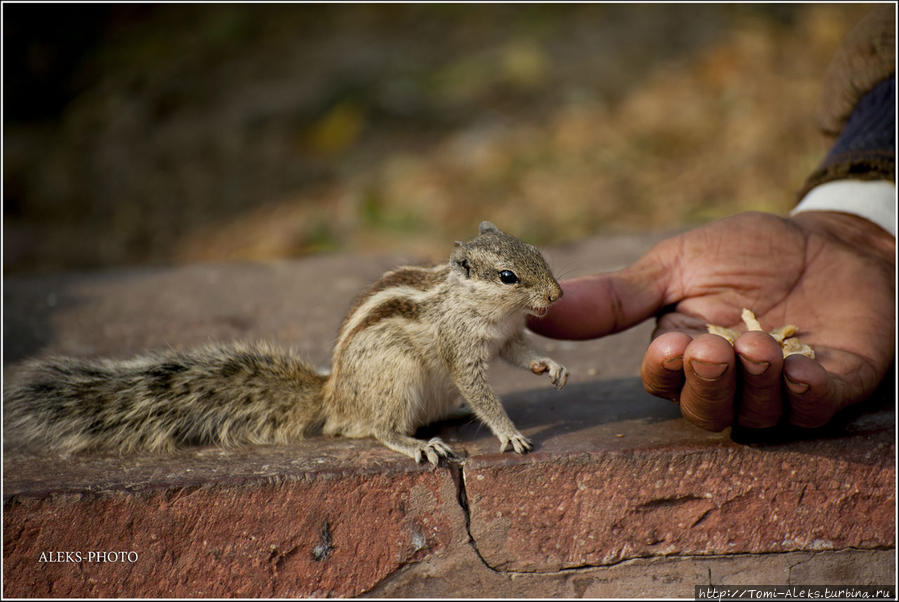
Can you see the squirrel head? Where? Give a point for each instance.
(511, 272)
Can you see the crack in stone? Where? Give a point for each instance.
(813, 554)
(801, 495)
(793, 566)
(666, 502)
(635, 559)
(702, 517)
(458, 475)
(463, 501)
(458, 472)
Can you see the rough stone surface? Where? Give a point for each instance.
(462, 574)
(599, 507)
(621, 496)
(222, 523)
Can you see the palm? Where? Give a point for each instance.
(830, 274)
(841, 301)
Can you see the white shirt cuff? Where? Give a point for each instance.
(874, 200)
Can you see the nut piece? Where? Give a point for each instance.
(752, 323)
(721, 331)
(785, 335)
(792, 345)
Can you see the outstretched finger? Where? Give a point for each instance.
(594, 306)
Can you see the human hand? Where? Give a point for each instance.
(829, 273)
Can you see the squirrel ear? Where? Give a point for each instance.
(487, 227)
(459, 259)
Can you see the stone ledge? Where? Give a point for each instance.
(461, 575)
(689, 500)
(621, 497)
(210, 523)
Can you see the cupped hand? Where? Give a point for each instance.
(831, 274)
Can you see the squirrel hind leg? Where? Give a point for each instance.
(432, 450)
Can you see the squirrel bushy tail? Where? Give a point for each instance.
(219, 394)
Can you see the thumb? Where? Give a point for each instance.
(594, 306)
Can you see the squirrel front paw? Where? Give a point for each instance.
(519, 443)
(433, 450)
(556, 371)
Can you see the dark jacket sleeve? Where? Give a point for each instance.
(858, 104)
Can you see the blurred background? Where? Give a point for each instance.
(167, 134)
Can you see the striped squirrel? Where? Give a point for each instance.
(410, 344)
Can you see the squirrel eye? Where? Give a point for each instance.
(508, 277)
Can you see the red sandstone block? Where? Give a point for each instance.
(552, 512)
(333, 531)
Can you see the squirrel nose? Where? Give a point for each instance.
(555, 295)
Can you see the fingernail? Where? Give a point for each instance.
(675, 364)
(707, 370)
(754, 368)
(794, 386)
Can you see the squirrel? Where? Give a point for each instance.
(409, 345)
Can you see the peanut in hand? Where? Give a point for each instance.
(784, 335)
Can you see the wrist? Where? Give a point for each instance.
(851, 230)
(872, 200)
